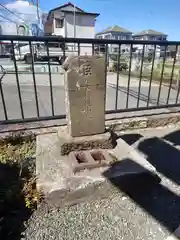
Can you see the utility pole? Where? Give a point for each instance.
(37, 7)
(74, 25)
(36, 3)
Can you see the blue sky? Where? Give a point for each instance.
(135, 15)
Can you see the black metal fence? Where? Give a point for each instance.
(140, 75)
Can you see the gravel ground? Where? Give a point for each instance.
(148, 215)
(151, 213)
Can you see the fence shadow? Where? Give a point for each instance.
(146, 191)
(173, 137)
(131, 138)
(13, 212)
(163, 156)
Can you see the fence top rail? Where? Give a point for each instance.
(84, 40)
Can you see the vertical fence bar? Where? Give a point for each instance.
(2, 97)
(17, 80)
(172, 75)
(129, 77)
(92, 48)
(117, 82)
(106, 65)
(79, 50)
(150, 81)
(177, 96)
(178, 91)
(64, 50)
(34, 79)
(50, 80)
(106, 58)
(140, 77)
(162, 74)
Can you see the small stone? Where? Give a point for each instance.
(124, 198)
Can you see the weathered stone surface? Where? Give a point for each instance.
(68, 143)
(85, 95)
(62, 187)
(124, 124)
(50, 165)
(95, 158)
(163, 120)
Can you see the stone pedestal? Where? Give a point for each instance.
(85, 95)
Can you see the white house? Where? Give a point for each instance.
(150, 35)
(117, 33)
(22, 19)
(70, 21)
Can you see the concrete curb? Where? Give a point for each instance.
(118, 124)
(55, 177)
(26, 68)
(154, 121)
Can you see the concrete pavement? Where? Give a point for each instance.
(42, 81)
(148, 211)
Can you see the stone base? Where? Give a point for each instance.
(68, 143)
(61, 186)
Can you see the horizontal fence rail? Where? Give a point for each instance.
(140, 75)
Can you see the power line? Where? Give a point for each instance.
(11, 12)
(7, 19)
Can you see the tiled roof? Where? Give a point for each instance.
(115, 29)
(149, 32)
(65, 5)
(80, 11)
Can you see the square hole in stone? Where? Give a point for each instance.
(80, 157)
(97, 155)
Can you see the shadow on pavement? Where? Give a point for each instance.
(136, 95)
(13, 212)
(131, 138)
(163, 156)
(146, 191)
(173, 137)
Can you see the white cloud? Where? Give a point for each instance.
(23, 11)
(26, 11)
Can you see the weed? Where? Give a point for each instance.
(18, 193)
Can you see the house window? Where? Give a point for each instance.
(159, 38)
(107, 36)
(21, 30)
(100, 37)
(115, 50)
(115, 37)
(59, 23)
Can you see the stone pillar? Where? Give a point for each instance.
(85, 95)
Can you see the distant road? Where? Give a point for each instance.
(44, 100)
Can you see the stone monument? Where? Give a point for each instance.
(68, 173)
(85, 94)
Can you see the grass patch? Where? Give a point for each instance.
(18, 193)
(176, 67)
(156, 76)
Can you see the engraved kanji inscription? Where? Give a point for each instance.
(85, 70)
